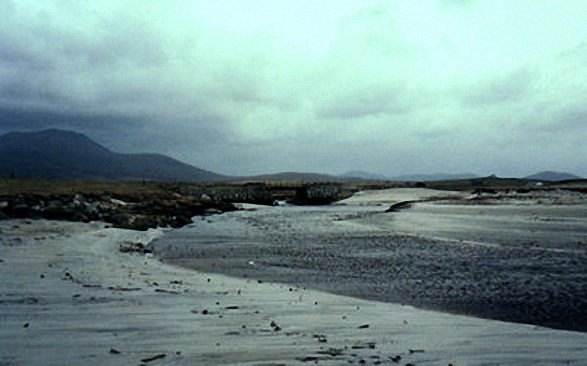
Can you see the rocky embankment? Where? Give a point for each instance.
(138, 211)
(300, 194)
(141, 207)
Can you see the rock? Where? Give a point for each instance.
(57, 210)
(78, 216)
(91, 209)
(120, 219)
(130, 247)
(366, 345)
(138, 211)
(54, 204)
(20, 207)
(320, 194)
(321, 338)
(205, 198)
(153, 358)
(79, 200)
(180, 221)
(307, 359)
(116, 202)
(400, 206)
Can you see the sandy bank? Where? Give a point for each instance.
(68, 296)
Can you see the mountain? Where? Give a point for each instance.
(552, 176)
(59, 154)
(359, 174)
(434, 177)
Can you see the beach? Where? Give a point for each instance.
(519, 258)
(86, 294)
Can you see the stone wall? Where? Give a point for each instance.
(320, 194)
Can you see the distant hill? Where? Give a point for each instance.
(552, 176)
(434, 177)
(59, 154)
(293, 176)
(359, 174)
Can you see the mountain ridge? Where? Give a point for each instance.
(61, 154)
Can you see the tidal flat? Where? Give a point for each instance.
(516, 257)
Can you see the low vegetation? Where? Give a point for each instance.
(143, 205)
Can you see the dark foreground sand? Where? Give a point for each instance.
(519, 258)
(69, 297)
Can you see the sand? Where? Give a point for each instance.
(509, 258)
(69, 297)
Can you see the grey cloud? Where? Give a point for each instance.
(374, 100)
(569, 120)
(26, 119)
(15, 55)
(117, 43)
(19, 93)
(44, 62)
(508, 88)
(123, 38)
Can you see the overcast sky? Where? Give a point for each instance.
(260, 86)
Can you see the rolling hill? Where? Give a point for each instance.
(552, 176)
(434, 177)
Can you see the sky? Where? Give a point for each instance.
(264, 86)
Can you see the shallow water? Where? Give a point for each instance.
(508, 261)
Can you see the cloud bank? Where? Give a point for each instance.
(265, 86)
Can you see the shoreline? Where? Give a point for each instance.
(69, 296)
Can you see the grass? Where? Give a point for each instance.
(14, 186)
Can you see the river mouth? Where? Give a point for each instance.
(510, 260)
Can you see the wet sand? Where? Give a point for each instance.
(519, 258)
(68, 296)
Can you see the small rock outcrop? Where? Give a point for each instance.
(138, 211)
(257, 193)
